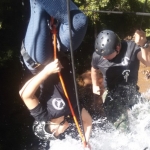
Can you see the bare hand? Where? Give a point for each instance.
(140, 37)
(96, 90)
(53, 67)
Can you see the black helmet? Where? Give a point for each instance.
(106, 42)
(39, 129)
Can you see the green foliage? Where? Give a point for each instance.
(5, 56)
(89, 6)
(10, 30)
(148, 32)
(123, 24)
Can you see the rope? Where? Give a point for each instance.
(54, 32)
(74, 76)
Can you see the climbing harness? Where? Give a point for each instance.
(27, 58)
(54, 32)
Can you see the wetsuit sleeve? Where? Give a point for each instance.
(95, 60)
(39, 113)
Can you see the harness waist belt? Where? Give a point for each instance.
(27, 58)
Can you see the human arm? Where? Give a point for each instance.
(94, 77)
(28, 91)
(144, 54)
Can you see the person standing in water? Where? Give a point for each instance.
(118, 61)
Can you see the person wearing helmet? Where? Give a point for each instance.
(51, 110)
(50, 107)
(118, 61)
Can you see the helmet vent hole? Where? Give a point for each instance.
(107, 40)
(102, 45)
(102, 51)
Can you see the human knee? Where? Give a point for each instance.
(78, 29)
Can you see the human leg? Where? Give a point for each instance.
(78, 30)
(58, 10)
(38, 37)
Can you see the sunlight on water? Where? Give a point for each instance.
(105, 137)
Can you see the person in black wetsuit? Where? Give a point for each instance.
(118, 61)
(51, 107)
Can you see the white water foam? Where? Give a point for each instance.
(105, 137)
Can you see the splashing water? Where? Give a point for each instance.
(106, 137)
